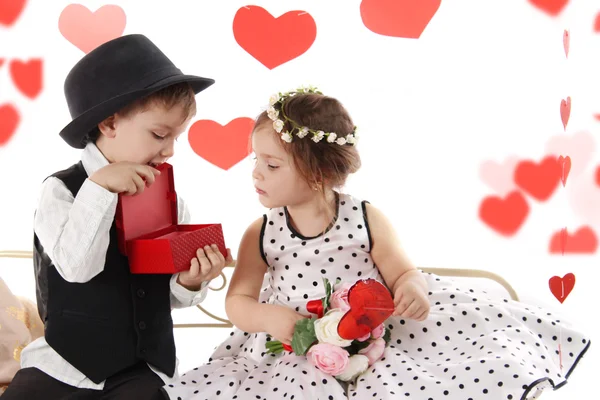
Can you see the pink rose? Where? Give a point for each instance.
(374, 351)
(339, 298)
(330, 359)
(364, 338)
(378, 332)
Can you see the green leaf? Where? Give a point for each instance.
(387, 335)
(328, 292)
(304, 336)
(356, 346)
(274, 346)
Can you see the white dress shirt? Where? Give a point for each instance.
(74, 232)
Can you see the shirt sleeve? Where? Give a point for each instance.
(75, 231)
(180, 296)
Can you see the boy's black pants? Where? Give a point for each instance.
(137, 382)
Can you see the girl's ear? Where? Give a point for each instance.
(107, 127)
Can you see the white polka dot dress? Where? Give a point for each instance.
(470, 347)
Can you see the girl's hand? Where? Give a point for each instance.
(410, 298)
(280, 322)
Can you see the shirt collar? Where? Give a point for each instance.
(93, 159)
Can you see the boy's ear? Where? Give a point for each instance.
(107, 127)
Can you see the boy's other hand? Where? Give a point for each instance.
(125, 177)
(207, 265)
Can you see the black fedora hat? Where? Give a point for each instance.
(114, 75)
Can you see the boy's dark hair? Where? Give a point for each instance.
(181, 93)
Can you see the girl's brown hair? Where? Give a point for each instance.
(323, 165)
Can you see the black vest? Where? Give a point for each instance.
(112, 322)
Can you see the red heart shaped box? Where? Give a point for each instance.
(149, 233)
(371, 303)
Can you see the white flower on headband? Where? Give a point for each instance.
(318, 136)
(272, 113)
(278, 100)
(278, 125)
(302, 132)
(274, 99)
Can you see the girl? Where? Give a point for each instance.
(468, 346)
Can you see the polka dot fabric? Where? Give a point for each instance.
(472, 346)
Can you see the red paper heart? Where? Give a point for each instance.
(561, 287)
(1, 62)
(223, 146)
(583, 241)
(9, 120)
(598, 176)
(597, 23)
(27, 76)
(88, 30)
(552, 7)
(565, 168)
(505, 216)
(565, 111)
(398, 18)
(370, 303)
(10, 10)
(539, 180)
(273, 41)
(566, 42)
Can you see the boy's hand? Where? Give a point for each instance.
(125, 177)
(207, 265)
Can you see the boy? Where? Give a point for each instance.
(109, 333)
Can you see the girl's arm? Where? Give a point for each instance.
(241, 303)
(401, 276)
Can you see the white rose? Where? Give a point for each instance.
(331, 137)
(272, 113)
(357, 364)
(286, 137)
(274, 99)
(303, 132)
(326, 329)
(350, 139)
(341, 141)
(318, 136)
(278, 125)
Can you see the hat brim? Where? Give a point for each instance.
(76, 130)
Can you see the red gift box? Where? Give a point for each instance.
(149, 233)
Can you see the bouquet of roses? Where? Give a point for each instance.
(348, 333)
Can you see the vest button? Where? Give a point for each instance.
(141, 293)
(142, 325)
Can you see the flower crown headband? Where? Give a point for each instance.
(302, 131)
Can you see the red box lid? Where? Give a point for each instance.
(152, 210)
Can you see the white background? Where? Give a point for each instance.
(483, 82)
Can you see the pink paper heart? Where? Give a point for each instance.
(579, 146)
(499, 176)
(565, 111)
(584, 197)
(565, 167)
(88, 30)
(566, 42)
